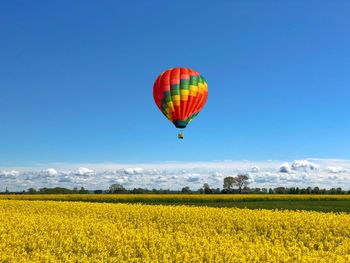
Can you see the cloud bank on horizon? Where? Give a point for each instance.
(324, 173)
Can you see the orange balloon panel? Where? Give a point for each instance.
(180, 94)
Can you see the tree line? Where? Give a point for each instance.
(46, 190)
(232, 185)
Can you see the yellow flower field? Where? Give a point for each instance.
(50, 231)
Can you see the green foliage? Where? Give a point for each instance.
(325, 203)
(186, 190)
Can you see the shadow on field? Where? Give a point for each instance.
(333, 203)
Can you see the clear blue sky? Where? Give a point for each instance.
(76, 80)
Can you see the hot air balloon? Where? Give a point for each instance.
(180, 94)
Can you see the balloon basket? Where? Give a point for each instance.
(180, 136)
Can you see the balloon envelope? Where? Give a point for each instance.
(180, 94)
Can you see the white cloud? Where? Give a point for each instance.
(304, 164)
(11, 173)
(49, 172)
(162, 179)
(84, 171)
(255, 169)
(133, 170)
(175, 175)
(336, 169)
(217, 175)
(66, 179)
(285, 168)
(192, 177)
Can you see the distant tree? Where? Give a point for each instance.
(323, 191)
(333, 191)
(228, 183)
(291, 190)
(264, 190)
(117, 189)
(31, 191)
(241, 181)
(316, 190)
(142, 191)
(83, 191)
(280, 190)
(186, 190)
(55, 190)
(339, 190)
(308, 190)
(165, 191)
(98, 192)
(155, 191)
(217, 191)
(270, 191)
(6, 190)
(207, 189)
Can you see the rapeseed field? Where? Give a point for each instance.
(51, 231)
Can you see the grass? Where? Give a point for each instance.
(323, 203)
(309, 205)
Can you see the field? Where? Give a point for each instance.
(51, 231)
(324, 203)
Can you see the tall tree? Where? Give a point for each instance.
(207, 189)
(186, 190)
(117, 189)
(228, 183)
(241, 181)
(31, 191)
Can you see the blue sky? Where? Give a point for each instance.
(76, 80)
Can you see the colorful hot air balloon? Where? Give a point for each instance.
(180, 94)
